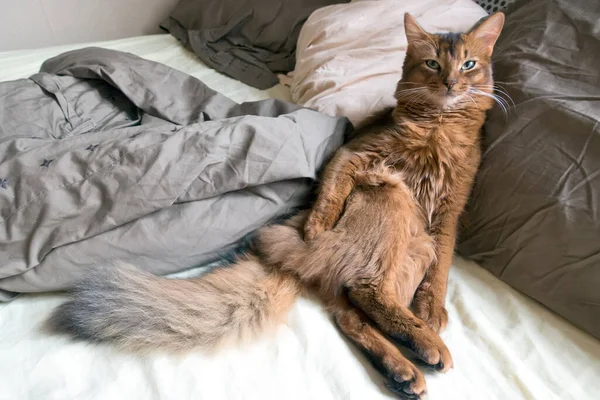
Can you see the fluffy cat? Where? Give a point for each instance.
(378, 240)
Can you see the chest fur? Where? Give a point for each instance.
(434, 171)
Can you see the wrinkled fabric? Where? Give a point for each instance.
(105, 156)
(534, 217)
(504, 346)
(249, 40)
(492, 329)
(349, 56)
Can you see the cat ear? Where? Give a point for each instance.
(413, 30)
(487, 33)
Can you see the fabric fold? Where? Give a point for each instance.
(167, 173)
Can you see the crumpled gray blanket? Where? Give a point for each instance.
(105, 156)
(249, 40)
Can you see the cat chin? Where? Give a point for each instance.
(441, 99)
(448, 101)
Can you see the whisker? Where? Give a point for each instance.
(502, 103)
(499, 100)
(407, 92)
(500, 86)
(417, 98)
(410, 90)
(507, 96)
(505, 83)
(496, 89)
(472, 99)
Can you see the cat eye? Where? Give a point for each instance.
(432, 64)
(468, 65)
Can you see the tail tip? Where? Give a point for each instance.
(62, 321)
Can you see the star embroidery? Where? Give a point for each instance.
(3, 183)
(91, 147)
(46, 163)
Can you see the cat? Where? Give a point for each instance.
(377, 242)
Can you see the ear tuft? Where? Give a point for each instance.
(488, 31)
(413, 30)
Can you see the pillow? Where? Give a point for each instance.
(249, 40)
(349, 56)
(534, 216)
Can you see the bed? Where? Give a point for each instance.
(505, 346)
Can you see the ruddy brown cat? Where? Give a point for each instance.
(378, 240)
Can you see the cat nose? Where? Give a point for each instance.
(450, 83)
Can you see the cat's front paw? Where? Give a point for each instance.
(429, 308)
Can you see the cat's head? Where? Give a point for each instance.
(449, 70)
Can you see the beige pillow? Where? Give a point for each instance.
(349, 56)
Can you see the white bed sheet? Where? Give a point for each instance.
(505, 346)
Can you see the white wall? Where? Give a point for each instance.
(26, 24)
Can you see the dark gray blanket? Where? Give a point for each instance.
(106, 156)
(534, 218)
(249, 40)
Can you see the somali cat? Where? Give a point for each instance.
(378, 240)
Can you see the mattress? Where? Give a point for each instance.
(505, 346)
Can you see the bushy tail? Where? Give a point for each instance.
(138, 311)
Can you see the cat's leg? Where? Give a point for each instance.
(337, 184)
(404, 378)
(430, 298)
(381, 304)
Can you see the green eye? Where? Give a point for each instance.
(432, 64)
(468, 65)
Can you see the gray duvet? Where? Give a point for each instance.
(105, 156)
